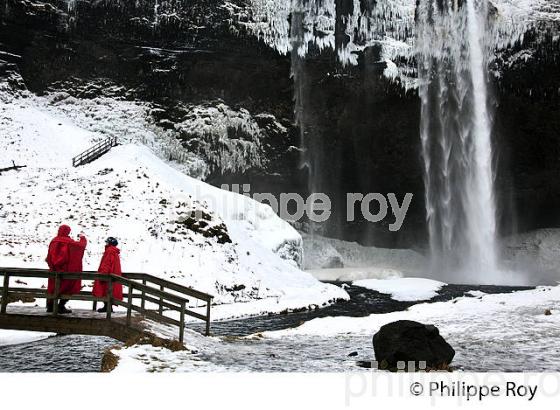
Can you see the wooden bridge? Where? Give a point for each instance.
(140, 291)
(91, 154)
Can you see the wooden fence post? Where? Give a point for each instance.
(161, 301)
(109, 297)
(208, 304)
(5, 292)
(143, 301)
(182, 323)
(56, 293)
(129, 307)
(94, 307)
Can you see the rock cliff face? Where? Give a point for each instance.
(228, 97)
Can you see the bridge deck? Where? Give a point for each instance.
(80, 321)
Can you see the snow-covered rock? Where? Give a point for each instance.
(389, 24)
(11, 83)
(342, 260)
(228, 139)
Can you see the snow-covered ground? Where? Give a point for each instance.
(500, 332)
(133, 194)
(403, 289)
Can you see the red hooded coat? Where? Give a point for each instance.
(110, 264)
(65, 255)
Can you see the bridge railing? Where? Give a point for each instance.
(94, 152)
(140, 290)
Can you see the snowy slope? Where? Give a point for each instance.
(132, 194)
(198, 138)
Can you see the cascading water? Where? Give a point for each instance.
(456, 139)
(298, 45)
(297, 42)
(305, 18)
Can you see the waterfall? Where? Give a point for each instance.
(298, 45)
(456, 139)
(306, 17)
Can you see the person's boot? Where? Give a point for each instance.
(62, 308)
(103, 309)
(50, 306)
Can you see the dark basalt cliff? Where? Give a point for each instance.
(363, 129)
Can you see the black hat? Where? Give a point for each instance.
(111, 241)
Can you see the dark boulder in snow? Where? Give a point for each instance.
(407, 341)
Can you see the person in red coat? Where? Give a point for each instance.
(110, 264)
(65, 255)
(76, 252)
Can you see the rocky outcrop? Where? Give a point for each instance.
(536, 252)
(11, 83)
(329, 253)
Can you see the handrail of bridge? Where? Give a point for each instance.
(132, 281)
(94, 152)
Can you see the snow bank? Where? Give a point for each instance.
(404, 289)
(134, 195)
(353, 274)
(147, 358)
(14, 337)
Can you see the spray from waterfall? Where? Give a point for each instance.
(456, 139)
